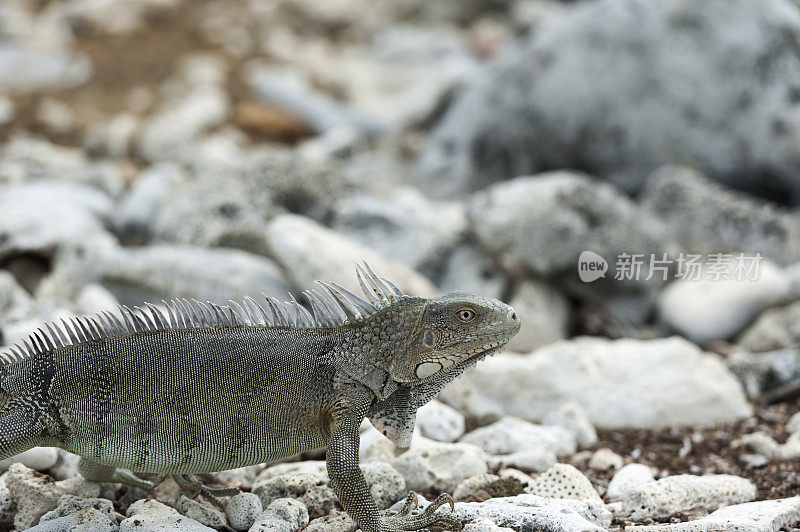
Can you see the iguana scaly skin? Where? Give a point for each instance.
(197, 388)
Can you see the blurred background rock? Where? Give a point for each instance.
(213, 149)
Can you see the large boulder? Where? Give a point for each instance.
(620, 87)
(622, 383)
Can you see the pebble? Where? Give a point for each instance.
(440, 422)
(430, 465)
(605, 459)
(242, 510)
(282, 515)
(147, 515)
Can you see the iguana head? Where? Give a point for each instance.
(449, 330)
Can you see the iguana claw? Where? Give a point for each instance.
(427, 520)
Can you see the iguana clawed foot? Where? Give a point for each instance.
(427, 520)
(192, 483)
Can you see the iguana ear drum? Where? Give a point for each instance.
(426, 369)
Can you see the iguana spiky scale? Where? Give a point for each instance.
(195, 388)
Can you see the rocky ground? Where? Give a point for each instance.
(214, 149)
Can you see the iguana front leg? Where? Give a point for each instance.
(349, 485)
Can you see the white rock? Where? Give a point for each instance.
(45, 216)
(403, 225)
(605, 459)
(38, 458)
(386, 485)
(705, 309)
(563, 481)
(242, 511)
(308, 251)
(375, 447)
(483, 524)
(536, 512)
(627, 479)
(25, 69)
(148, 515)
(776, 328)
(759, 516)
(440, 466)
(544, 312)
(282, 515)
(440, 422)
(94, 298)
(78, 514)
(765, 445)
(572, 417)
(619, 383)
(536, 459)
(37, 494)
(681, 493)
(511, 435)
(201, 511)
(468, 487)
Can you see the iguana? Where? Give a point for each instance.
(194, 388)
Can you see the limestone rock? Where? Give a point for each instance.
(282, 515)
(628, 478)
(563, 481)
(440, 422)
(147, 515)
(440, 466)
(680, 493)
(619, 383)
(510, 435)
(242, 510)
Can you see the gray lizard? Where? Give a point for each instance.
(195, 388)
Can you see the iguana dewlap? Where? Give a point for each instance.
(195, 388)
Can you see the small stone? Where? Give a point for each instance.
(312, 491)
(510, 435)
(793, 425)
(38, 458)
(430, 465)
(763, 444)
(754, 460)
(681, 493)
(386, 485)
(242, 510)
(572, 417)
(147, 515)
(563, 481)
(605, 459)
(470, 486)
(537, 459)
(628, 478)
(282, 515)
(201, 511)
(336, 521)
(440, 422)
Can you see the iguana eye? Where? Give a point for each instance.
(466, 315)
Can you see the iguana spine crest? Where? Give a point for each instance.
(331, 306)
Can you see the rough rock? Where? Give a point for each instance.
(526, 113)
(563, 481)
(386, 485)
(309, 251)
(511, 435)
(439, 466)
(619, 383)
(776, 328)
(681, 493)
(470, 269)
(403, 225)
(336, 521)
(484, 525)
(314, 468)
(762, 372)
(710, 308)
(706, 217)
(627, 479)
(472, 485)
(375, 446)
(282, 515)
(544, 313)
(439, 422)
(201, 511)
(531, 512)
(793, 425)
(311, 491)
(536, 459)
(571, 214)
(77, 514)
(759, 516)
(147, 515)
(38, 458)
(36, 494)
(153, 273)
(47, 217)
(242, 511)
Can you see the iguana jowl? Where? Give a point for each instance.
(199, 388)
